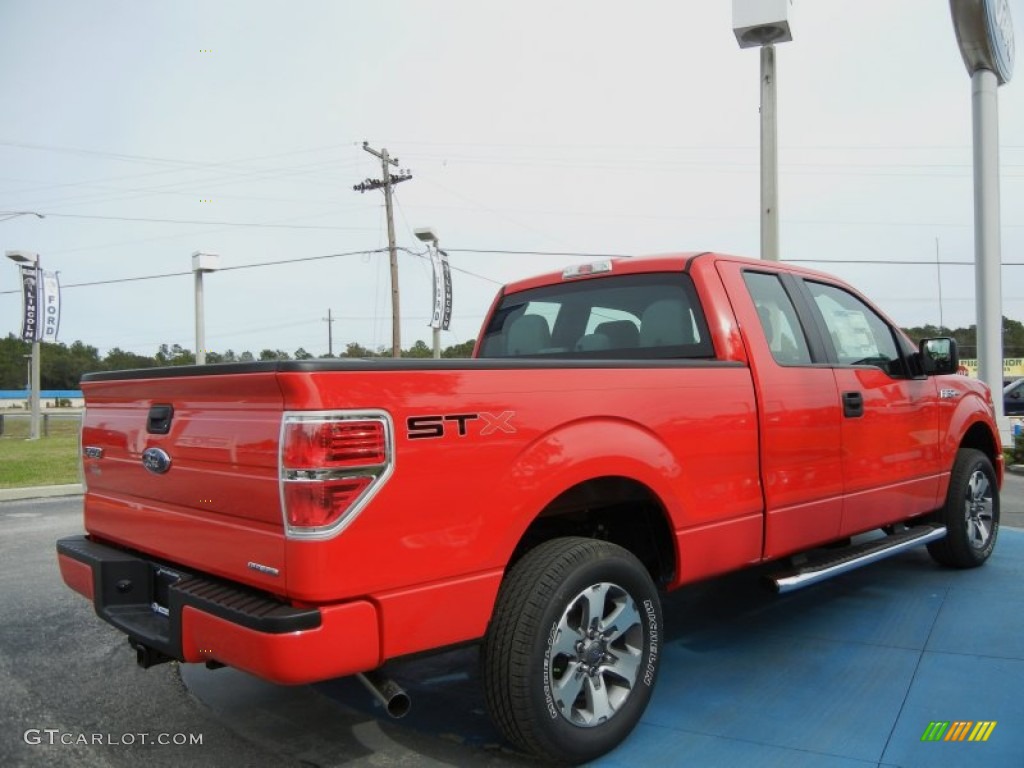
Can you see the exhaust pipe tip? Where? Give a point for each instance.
(391, 695)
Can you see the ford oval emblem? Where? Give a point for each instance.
(156, 460)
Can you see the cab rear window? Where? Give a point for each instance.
(654, 316)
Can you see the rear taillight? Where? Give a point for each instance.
(331, 464)
(329, 444)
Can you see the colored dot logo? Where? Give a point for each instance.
(959, 730)
(206, 200)
(206, 50)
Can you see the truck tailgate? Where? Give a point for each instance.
(207, 494)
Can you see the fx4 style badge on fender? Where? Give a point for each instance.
(422, 427)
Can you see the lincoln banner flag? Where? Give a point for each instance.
(40, 293)
(30, 303)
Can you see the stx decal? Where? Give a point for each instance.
(425, 427)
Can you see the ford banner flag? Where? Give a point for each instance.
(49, 306)
(41, 301)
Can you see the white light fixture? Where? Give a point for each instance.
(427, 235)
(205, 262)
(761, 22)
(23, 257)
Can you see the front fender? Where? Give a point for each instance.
(969, 413)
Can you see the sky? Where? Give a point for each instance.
(538, 135)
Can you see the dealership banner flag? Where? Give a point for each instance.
(30, 304)
(442, 316)
(40, 293)
(49, 304)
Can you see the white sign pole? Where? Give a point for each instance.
(984, 32)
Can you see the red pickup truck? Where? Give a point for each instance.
(626, 427)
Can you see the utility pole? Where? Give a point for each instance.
(389, 181)
(330, 338)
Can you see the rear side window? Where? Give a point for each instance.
(779, 321)
(654, 316)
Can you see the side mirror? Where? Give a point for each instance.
(1015, 395)
(939, 357)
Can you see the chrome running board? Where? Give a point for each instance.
(836, 562)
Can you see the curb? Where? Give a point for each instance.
(40, 492)
(1017, 469)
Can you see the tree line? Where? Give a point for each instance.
(967, 338)
(64, 365)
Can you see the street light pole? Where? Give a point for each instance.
(34, 406)
(202, 262)
(769, 158)
(28, 257)
(764, 23)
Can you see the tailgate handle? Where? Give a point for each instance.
(159, 422)
(853, 404)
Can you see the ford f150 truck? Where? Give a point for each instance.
(626, 427)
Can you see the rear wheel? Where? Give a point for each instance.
(971, 513)
(572, 651)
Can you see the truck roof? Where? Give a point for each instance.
(626, 265)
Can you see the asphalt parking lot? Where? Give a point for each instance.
(851, 672)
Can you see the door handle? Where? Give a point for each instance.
(853, 404)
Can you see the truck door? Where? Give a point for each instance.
(890, 418)
(799, 413)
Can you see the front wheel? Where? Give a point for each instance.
(572, 651)
(971, 513)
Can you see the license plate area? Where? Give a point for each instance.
(163, 579)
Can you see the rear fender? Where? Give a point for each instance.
(580, 451)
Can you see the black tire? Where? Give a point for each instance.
(970, 514)
(540, 681)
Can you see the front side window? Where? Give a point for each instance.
(859, 336)
(615, 317)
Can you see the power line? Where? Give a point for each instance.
(493, 251)
(908, 263)
(167, 160)
(212, 223)
(210, 182)
(222, 269)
